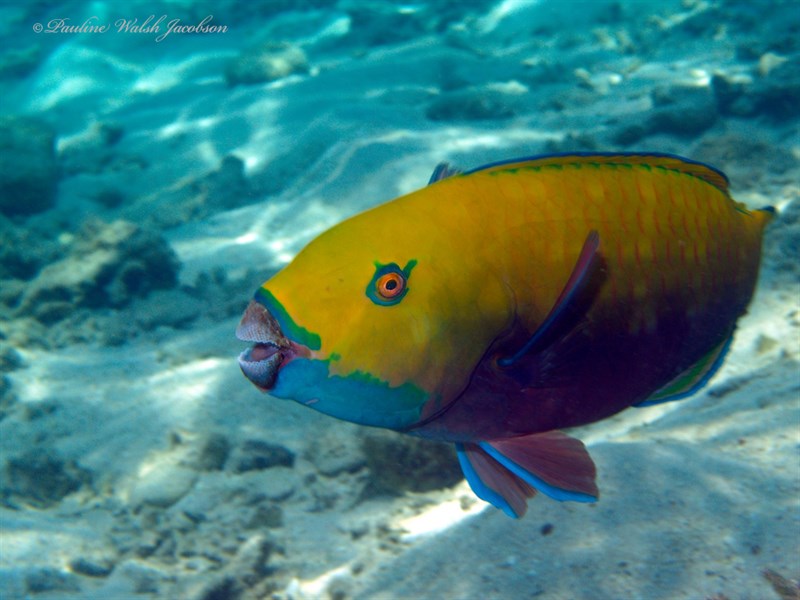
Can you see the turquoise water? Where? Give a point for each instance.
(162, 159)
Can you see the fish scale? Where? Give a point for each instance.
(645, 246)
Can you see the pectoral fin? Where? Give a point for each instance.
(577, 282)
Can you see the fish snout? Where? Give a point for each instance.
(271, 349)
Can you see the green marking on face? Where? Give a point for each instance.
(290, 329)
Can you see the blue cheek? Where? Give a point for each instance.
(357, 397)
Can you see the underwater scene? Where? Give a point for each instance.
(564, 364)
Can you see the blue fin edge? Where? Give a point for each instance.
(500, 163)
(480, 489)
(554, 492)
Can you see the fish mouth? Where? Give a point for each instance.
(271, 350)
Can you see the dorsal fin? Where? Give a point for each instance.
(442, 171)
(655, 160)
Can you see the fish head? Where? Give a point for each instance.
(377, 321)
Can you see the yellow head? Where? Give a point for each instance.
(380, 320)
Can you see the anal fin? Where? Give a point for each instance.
(692, 379)
(507, 472)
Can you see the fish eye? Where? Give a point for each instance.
(389, 284)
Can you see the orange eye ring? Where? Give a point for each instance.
(390, 285)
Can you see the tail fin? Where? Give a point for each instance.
(506, 473)
(765, 214)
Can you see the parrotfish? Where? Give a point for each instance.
(495, 307)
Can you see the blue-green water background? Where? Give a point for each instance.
(150, 180)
